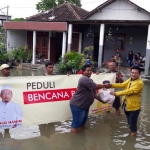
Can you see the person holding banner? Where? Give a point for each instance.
(49, 68)
(5, 70)
(83, 99)
(119, 79)
(131, 97)
(10, 112)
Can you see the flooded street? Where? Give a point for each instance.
(105, 131)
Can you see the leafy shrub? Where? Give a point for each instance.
(71, 60)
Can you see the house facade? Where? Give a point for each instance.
(115, 24)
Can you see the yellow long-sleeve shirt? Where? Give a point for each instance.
(132, 93)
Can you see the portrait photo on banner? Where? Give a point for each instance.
(10, 112)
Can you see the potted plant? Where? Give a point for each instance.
(28, 56)
(21, 53)
(62, 67)
(71, 61)
(3, 57)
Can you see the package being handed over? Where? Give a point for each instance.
(105, 96)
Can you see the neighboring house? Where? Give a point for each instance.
(46, 32)
(114, 24)
(4, 18)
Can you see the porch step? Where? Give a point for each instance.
(36, 66)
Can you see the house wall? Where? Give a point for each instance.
(86, 41)
(89, 41)
(139, 35)
(16, 38)
(120, 10)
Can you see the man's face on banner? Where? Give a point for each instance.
(6, 95)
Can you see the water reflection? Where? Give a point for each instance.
(20, 72)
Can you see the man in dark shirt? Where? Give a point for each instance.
(119, 79)
(83, 99)
(49, 68)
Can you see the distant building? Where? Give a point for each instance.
(4, 18)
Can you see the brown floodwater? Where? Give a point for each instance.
(104, 131)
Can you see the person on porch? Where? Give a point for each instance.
(130, 58)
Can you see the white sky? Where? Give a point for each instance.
(26, 8)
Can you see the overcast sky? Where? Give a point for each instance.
(26, 8)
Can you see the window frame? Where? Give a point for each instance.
(115, 45)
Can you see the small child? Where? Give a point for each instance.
(119, 62)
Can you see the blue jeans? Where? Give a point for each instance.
(129, 63)
(132, 118)
(79, 115)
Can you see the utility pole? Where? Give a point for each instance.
(7, 12)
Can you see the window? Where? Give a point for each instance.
(114, 42)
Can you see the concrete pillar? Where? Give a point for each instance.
(101, 41)
(49, 44)
(80, 42)
(34, 47)
(147, 61)
(64, 44)
(8, 43)
(69, 37)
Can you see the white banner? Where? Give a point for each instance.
(41, 99)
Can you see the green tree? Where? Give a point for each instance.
(18, 19)
(48, 4)
(2, 39)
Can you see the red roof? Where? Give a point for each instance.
(63, 12)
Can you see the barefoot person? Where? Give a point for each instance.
(83, 99)
(131, 97)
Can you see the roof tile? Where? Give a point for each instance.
(63, 12)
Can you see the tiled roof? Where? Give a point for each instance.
(63, 12)
(108, 2)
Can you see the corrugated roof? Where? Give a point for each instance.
(63, 12)
(108, 2)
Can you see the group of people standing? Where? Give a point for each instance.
(86, 93)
